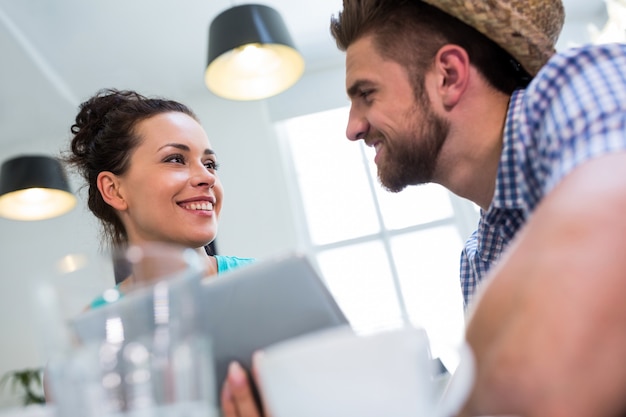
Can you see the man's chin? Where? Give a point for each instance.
(391, 186)
(397, 184)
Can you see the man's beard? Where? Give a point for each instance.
(413, 160)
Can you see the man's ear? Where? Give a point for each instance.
(452, 66)
(109, 187)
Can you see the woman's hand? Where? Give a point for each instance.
(237, 397)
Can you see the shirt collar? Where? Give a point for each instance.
(507, 192)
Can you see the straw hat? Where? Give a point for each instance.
(526, 29)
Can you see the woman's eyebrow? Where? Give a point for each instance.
(186, 148)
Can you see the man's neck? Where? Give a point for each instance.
(469, 165)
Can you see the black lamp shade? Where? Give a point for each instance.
(256, 32)
(249, 23)
(34, 187)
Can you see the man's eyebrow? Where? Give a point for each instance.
(353, 90)
(186, 148)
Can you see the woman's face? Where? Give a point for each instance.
(171, 189)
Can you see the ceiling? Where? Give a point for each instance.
(56, 53)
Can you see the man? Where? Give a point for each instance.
(440, 89)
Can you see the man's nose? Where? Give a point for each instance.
(357, 125)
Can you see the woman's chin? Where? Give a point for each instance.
(200, 243)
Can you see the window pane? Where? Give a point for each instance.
(359, 278)
(332, 178)
(428, 268)
(342, 199)
(412, 206)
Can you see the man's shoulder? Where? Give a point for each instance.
(580, 59)
(581, 77)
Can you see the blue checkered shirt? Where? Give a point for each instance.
(574, 110)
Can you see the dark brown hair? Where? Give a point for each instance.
(104, 139)
(410, 32)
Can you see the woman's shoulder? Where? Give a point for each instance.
(109, 296)
(226, 263)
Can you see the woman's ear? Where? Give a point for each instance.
(109, 187)
(452, 65)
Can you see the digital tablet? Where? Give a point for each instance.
(242, 310)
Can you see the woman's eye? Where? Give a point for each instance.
(177, 159)
(211, 165)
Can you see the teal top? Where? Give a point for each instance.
(224, 263)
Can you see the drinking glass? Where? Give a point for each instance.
(141, 353)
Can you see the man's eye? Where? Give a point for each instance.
(366, 93)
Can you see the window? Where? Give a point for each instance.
(388, 258)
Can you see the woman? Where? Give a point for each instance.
(151, 174)
(151, 177)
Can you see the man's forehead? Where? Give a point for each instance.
(366, 66)
(360, 55)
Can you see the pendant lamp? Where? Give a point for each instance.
(34, 187)
(251, 54)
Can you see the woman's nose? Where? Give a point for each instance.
(201, 176)
(357, 125)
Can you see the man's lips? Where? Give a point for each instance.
(374, 143)
(377, 145)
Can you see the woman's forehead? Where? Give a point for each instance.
(173, 127)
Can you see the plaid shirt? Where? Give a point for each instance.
(574, 110)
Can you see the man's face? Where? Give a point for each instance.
(405, 132)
